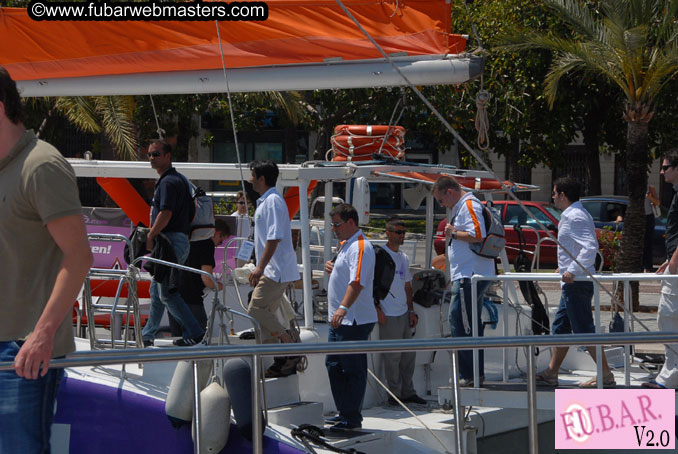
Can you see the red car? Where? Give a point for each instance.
(512, 214)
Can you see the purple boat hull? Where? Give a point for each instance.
(107, 420)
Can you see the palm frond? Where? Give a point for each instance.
(80, 111)
(577, 15)
(116, 117)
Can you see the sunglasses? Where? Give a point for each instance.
(665, 168)
(241, 203)
(337, 224)
(398, 232)
(154, 154)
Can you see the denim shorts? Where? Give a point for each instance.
(26, 407)
(574, 312)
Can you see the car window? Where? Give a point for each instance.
(515, 215)
(615, 211)
(555, 212)
(540, 215)
(595, 207)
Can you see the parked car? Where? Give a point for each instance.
(511, 215)
(606, 209)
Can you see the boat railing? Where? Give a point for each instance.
(128, 277)
(509, 278)
(110, 357)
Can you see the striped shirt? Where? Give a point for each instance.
(467, 216)
(354, 263)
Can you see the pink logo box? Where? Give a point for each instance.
(615, 418)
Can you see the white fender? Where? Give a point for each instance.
(215, 419)
(179, 402)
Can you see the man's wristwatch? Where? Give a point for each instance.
(454, 235)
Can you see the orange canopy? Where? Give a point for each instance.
(299, 31)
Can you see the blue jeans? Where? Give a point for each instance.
(348, 373)
(461, 289)
(26, 407)
(574, 312)
(161, 297)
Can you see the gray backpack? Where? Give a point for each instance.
(494, 242)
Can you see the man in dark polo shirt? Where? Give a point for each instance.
(171, 219)
(667, 313)
(201, 257)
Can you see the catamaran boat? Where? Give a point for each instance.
(117, 395)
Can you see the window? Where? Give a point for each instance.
(515, 215)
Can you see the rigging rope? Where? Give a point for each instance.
(235, 132)
(159, 130)
(307, 433)
(474, 153)
(482, 123)
(410, 411)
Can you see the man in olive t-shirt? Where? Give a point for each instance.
(45, 258)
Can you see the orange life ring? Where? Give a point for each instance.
(370, 130)
(345, 142)
(359, 142)
(367, 156)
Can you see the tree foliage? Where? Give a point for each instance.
(632, 45)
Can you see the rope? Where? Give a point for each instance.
(473, 152)
(400, 402)
(235, 132)
(158, 129)
(307, 433)
(482, 123)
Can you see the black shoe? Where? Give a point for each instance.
(148, 343)
(468, 382)
(333, 419)
(345, 426)
(414, 399)
(188, 341)
(279, 370)
(392, 401)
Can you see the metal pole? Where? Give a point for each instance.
(429, 230)
(257, 436)
(327, 235)
(196, 408)
(306, 254)
(459, 447)
(505, 328)
(474, 331)
(599, 330)
(627, 347)
(533, 428)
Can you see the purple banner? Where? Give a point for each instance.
(107, 254)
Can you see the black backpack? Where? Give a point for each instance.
(384, 272)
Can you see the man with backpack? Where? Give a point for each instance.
(467, 227)
(397, 318)
(351, 314)
(172, 209)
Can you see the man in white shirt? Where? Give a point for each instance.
(397, 318)
(667, 313)
(466, 227)
(276, 262)
(351, 314)
(576, 234)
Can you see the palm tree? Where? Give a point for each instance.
(633, 44)
(111, 114)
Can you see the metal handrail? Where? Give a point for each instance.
(555, 277)
(91, 358)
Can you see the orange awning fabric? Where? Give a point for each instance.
(301, 31)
